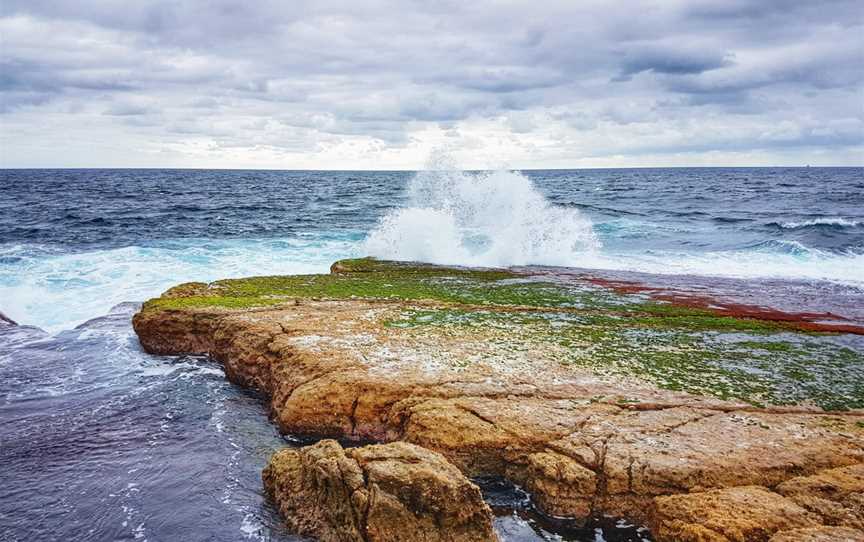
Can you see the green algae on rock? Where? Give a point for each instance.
(675, 347)
(597, 402)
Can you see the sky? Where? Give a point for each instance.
(385, 85)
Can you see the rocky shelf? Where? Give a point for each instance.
(597, 400)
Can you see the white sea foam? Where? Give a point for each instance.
(501, 219)
(828, 221)
(56, 290)
(491, 219)
(807, 264)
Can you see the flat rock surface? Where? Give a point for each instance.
(595, 401)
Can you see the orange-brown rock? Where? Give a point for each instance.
(377, 493)
(802, 508)
(501, 399)
(837, 495)
(737, 514)
(820, 534)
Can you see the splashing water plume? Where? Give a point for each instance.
(482, 219)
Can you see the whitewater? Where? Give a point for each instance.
(76, 243)
(501, 219)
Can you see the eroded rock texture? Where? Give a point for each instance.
(815, 507)
(385, 492)
(592, 404)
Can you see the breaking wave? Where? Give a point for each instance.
(501, 219)
(58, 290)
(837, 222)
(51, 278)
(490, 219)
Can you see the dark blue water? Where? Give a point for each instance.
(99, 441)
(685, 208)
(81, 241)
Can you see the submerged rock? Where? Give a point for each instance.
(14, 334)
(594, 402)
(386, 492)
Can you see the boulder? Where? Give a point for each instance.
(385, 492)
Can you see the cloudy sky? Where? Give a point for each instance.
(380, 85)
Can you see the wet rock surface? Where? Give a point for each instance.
(6, 321)
(594, 403)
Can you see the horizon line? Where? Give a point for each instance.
(424, 169)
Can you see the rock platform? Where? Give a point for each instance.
(701, 425)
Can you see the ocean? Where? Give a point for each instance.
(75, 243)
(100, 441)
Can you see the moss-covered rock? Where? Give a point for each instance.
(676, 347)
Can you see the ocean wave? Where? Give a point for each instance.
(784, 246)
(451, 217)
(60, 290)
(487, 219)
(601, 209)
(501, 219)
(730, 220)
(836, 222)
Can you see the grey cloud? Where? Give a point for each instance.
(818, 71)
(14, 99)
(433, 106)
(503, 79)
(806, 138)
(757, 11)
(129, 109)
(385, 70)
(672, 60)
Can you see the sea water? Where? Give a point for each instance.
(74, 243)
(100, 441)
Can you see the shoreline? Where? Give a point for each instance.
(315, 348)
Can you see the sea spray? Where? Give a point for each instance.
(58, 290)
(501, 219)
(57, 271)
(834, 222)
(493, 219)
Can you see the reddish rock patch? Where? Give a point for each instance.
(805, 321)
